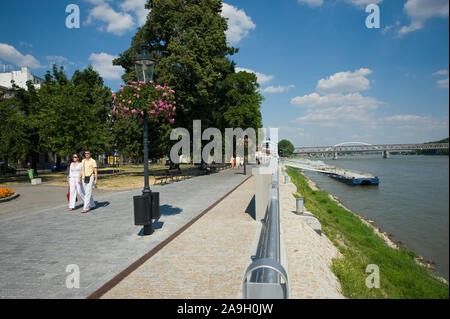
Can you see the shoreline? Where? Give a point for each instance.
(378, 231)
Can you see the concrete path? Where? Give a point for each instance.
(309, 254)
(208, 260)
(38, 245)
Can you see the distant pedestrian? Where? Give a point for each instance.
(73, 178)
(232, 162)
(88, 178)
(238, 161)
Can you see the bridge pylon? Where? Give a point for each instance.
(385, 154)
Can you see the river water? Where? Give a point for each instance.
(411, 202)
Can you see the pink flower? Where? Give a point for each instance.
(133, 111)
(172, 121)
(138, 96)
(125, 109)
(129, 102)
(138, 89)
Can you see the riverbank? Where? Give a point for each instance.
(401, 276)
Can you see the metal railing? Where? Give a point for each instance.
(268, 278)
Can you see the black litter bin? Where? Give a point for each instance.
(155, 205)
(146, 208)
(142, 210)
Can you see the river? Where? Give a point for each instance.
(411, 202)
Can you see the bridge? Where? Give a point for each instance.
(351, 147)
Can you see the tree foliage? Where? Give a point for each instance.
(285, 148)
(75, 114)
(189, 44)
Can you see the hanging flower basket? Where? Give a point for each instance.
(139, 99)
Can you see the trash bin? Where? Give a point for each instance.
(142, 210)
(155, 205)
(31, 173)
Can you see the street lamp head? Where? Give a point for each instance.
(144, 65)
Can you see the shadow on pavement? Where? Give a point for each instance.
(251, 208)
(168, 210)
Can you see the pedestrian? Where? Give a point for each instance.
(88, 178)
(73, 178)
(232, 162)
(238, 161)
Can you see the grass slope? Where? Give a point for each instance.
(400, 275)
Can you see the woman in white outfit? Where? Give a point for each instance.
(75, 187)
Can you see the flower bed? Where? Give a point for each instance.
(6, 192)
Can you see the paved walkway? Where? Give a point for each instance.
(208, 260)
(37, 245)
(309, 254)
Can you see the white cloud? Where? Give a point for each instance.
(116, 22)
(262, 78)
(311, 3)
(420, 11)
(358, 113)
(363, 3)
(277, 89)
(102, 63)
(138, 8)
(405, 118)
(239, 24)
(441, 72)
(442, 83)
(10, 54)
(345, 82)
(355, 99)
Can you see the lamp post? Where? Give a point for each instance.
(146, 207)
(145, 66)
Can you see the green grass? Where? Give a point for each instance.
(400, 276)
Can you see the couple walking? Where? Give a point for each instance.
(82, 177)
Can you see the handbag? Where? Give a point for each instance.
(87, 179)
(68, 196)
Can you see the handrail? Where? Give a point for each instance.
(266, 271)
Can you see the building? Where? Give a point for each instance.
(20, 78)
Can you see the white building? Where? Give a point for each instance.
(20, 78)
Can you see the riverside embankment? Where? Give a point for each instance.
(401, 276)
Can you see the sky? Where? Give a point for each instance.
(325, 76)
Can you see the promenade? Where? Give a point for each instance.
(200, 248)
(38, 243)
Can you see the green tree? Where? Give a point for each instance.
(241, 102)
(75, 114)
(285, 148)
(27, 106)
(189, 44)
(14, 143)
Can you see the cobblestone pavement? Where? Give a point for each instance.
(208, 260)
(37, 245)
(309, 254)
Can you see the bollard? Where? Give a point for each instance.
(299, 208)
(287, 179)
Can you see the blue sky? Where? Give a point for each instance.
(325, 76)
